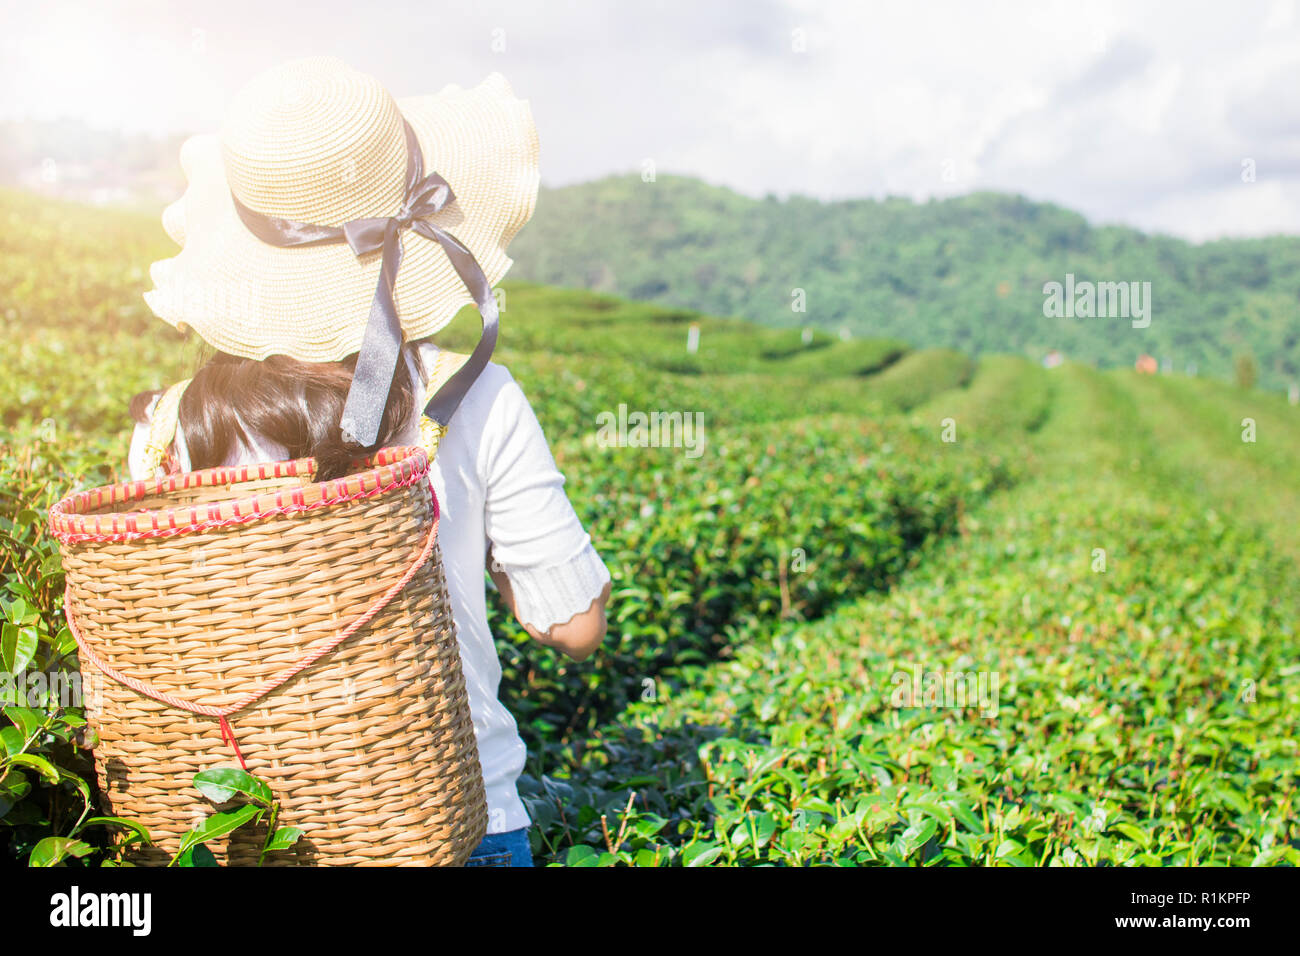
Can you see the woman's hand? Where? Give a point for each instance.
(577, 637)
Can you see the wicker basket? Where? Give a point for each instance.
(254, 614)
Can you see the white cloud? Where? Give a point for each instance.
(1130, 112)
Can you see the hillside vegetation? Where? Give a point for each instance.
(1100, 549)
(967, 272)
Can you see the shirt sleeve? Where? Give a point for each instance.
(536, 537)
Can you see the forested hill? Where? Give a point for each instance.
(966, 272)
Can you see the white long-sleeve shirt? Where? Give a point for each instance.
(497, 483)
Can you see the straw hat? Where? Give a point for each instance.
(316, 141)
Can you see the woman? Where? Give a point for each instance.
(299, 267)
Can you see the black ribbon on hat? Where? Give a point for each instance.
(382, 340)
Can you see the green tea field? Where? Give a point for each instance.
(906, 606)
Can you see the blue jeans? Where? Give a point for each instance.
(503, 849)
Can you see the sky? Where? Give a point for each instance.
(1172, 116)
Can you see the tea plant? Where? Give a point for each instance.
(862, 515)
(1145, 713)
(256, 802)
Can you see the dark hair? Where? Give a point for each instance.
(295, 404)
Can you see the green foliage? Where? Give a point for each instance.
(1245, 371)
(768, 524)
(65, 270)
(1143, 714)
(255, 802)
(859, 511)
(966, 272)
(44, 767)
(1204, 425)
(919, 376)
(600, 327)
(36, 749)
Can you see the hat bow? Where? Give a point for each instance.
(381, 342)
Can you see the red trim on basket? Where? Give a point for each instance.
(390, 468)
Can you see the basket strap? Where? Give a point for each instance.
(257, 693)
(445, 365)
(162, 427)
(448, 397)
